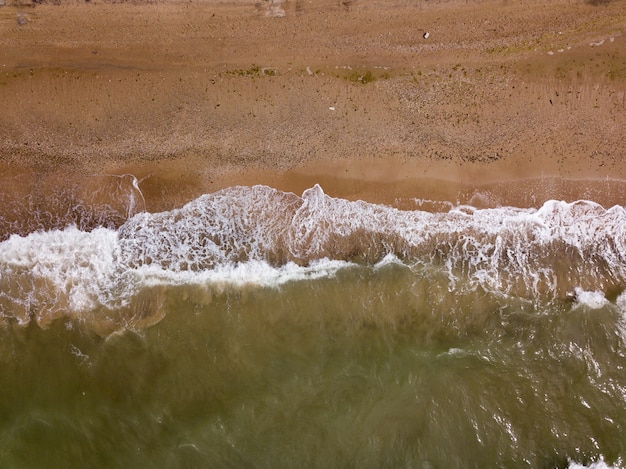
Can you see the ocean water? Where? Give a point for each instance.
(257, 328)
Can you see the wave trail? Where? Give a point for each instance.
(543, 253)
(29, 203)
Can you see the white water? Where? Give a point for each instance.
(596, 465)
(472, 337)
(262, 236)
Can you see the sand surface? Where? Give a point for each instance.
(514, 100)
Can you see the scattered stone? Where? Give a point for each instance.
(275, 9)
(426, 35)
(22, 19)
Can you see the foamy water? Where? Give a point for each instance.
(262, 236)
(253, 327)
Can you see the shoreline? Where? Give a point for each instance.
(166, 186)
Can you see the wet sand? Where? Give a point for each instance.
(503, 103)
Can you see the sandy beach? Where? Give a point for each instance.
(191, 97)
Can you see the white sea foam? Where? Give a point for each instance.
(76, 268)
(256, 273)
(591, 299)
(258, 235)
(600, 464)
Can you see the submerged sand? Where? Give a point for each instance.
(191, 97)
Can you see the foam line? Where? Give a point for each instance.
(264, 236)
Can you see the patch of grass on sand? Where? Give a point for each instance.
(253, 71)
(516, 48)
(366, 76)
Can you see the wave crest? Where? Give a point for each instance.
(542, 254)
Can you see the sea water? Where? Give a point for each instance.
(257, 328)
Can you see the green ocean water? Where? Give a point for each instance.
(256, 328)
(370, 367)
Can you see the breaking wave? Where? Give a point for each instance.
(259, 235)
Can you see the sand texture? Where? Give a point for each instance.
(195, 96)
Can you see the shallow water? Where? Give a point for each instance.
(263, 329)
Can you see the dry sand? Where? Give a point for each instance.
(196, 96)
